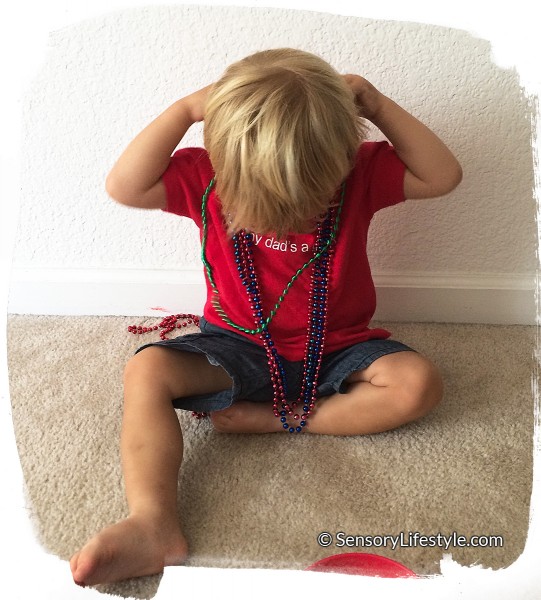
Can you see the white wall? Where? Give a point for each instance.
(468, 257)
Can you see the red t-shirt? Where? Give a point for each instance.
(376, 181)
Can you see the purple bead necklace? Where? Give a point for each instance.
(292, 420)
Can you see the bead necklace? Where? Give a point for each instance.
(317, 312)
(167, 324)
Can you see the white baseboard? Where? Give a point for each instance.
(418, 297)
(499, 299)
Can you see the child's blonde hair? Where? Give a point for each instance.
(282, 131)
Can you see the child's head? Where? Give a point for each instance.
(282, 131)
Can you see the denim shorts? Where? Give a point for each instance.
(246, 363)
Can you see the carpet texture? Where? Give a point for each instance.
(261, 500)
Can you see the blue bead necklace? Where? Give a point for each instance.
(327, 231)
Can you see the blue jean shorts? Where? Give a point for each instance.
(246, 363)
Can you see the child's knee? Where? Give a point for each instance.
(150, 365)
(422, 390)
(141, 363)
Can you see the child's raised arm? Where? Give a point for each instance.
(135, 179)
(432, 169)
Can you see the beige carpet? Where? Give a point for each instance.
(261, 500)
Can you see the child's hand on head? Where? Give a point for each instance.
(367, 97)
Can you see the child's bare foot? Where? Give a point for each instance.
(133, 547)
(246, 417)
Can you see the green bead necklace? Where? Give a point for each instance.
(216, 301)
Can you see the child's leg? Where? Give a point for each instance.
(395, 389)
(151, 444)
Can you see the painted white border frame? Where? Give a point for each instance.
(34, 574)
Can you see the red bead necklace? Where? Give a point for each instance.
(167, 324)
(317, 312)
(316, 326)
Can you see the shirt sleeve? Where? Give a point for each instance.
(383, 173)
(185, 179)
